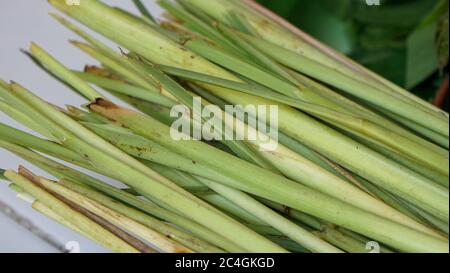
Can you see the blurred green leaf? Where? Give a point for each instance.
(406, 41)
(442, 41)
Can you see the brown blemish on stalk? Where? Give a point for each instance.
(287, 210)
(104, 103)
(98, 71)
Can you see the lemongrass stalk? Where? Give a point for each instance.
(402, 143)
(64, 127)
(6, 94)
(81, 115)
(127, 89)
(433, 221)
(120, 64)
(63, 172)
(302, 44)
(269, 185)
(258, 91)
(272, 218)
(258, 56)
(186, 181)
(103, 236)
(118, 219)
(143, 10)
(342, 59)
(288, 244)
(43, 209)
(196, 25)
(439, 178)
(284, 139)
(94, 11)
(304, 218)
(46, 211)
(389, 199)
(146, 149)
(156, 111)
(217, 56)
(240, 148)
(290, 163)
(173, 233)
(116, 67)
(182, 179)
(354, 107)
(287, 161)
(352, 86)
(133, 241)
(62, 72)
(22, 118)
(234, 210)
(338, 239)
(398, 143)
(141, 177)
(436, 137)
(21, 138)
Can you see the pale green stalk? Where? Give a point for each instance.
(352, 86)
(269, 185)
(127, 89)
(399, 142)
(85, 224)
(141, 177)
(365, 166)
(304, 171)
(338, 239)
(55, 67)
(169, 231)
(22, 118)
(310, 48)
(272, 218)
(124, 222)
(63, 172)
(288, 162)
(43, 209)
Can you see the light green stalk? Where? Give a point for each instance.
(153, 237)
(399, 142)
(272, 218)
(303, 171)
(127, 89)
(63, 172)
(274, 33)
(106, 156)
(148, 43)
(85, 224)
(267, 184)
(352, 86)
(55, 67)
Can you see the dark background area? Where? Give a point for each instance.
(406, 41)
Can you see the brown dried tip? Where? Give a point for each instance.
(27, 174)
(104, 103)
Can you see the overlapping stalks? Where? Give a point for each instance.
(358, 159)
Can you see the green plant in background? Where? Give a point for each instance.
(406, 41)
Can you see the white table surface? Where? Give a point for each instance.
(23, 21)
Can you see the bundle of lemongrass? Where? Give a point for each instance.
(358, 158)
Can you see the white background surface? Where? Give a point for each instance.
(23, 21)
